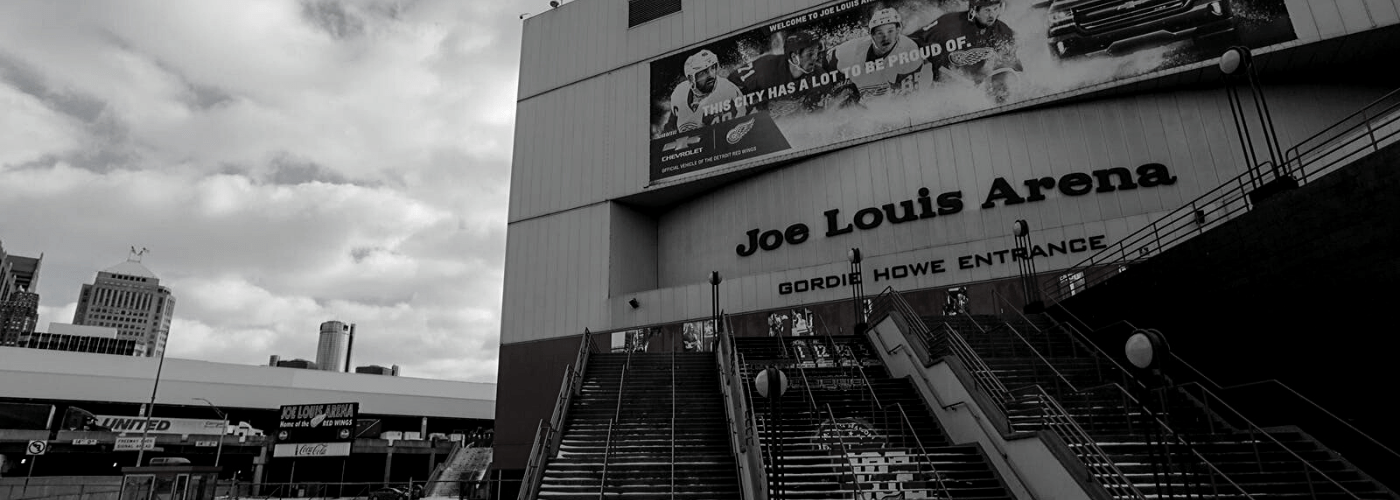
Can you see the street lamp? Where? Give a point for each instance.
(857, 289)
(715, 280)
(1026, 266)
(1237, 62)
(222, 430)
(151, 409)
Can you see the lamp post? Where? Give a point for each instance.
(857, 289)
(1026, 266)
(219, 452)
(1235, 63)
(150, 409)
(715, 280)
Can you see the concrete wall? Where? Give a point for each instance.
(1026, 463)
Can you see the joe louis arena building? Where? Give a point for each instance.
(953, 249)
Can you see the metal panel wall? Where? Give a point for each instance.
(1322, 19)
(1189, 132)
(556, 275)
(582, 115)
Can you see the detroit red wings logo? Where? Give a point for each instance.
(739, 131)
(970, 56)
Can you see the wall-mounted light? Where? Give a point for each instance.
(633, 302)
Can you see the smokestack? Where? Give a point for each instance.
(272, 361)
(350, 348)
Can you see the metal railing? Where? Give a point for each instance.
(743, 433)
(1210, 405)
(1368, 130)
(547, 438)
(617, 413)
(1390, 455)
(1052, 416)
(1371, 127)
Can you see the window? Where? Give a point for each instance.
(641, 11)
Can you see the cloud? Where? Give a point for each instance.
(287, 163)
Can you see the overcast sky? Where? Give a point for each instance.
(286, 163)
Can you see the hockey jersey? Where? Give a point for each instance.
(895, 77)
(690, 113)
(771, 75)
(959, 48)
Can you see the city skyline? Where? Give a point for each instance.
(284, 163)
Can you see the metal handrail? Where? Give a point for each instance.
(742, 438)
(982, 374)
(990, 384)
(1252, 428)
(1168, 431)
(1255, 428)
(617, 413)
(534, 465)
(1139, 244)
(673, 422)
(1295, 152)
(923, 452)
(607, 448)
(1206, 378)
(540, 451)
(856, 488)
(1089, 452)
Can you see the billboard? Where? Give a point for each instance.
(853, 69)
(181, 426)
(316, 430)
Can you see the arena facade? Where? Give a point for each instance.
(625, 200)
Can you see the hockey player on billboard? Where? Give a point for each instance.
(803, 55)
(974, 48)
(694, 100)
(886, 38)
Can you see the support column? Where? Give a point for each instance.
(258, 466)
(388, 463)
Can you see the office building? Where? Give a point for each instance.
(128, 297)
(332, 347)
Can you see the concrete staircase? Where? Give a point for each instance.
(1169, 442)
(465, 465)
(846, 429)
(645, 425)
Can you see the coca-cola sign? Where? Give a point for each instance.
(311, 450)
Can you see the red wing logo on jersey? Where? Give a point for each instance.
(737, 133)
(683, 142)
(971, 56)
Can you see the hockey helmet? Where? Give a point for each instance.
(885, 16)
(799, 41)
(700, 61)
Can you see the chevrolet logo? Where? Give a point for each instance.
(682, 143)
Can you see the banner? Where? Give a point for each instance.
(857, 68)
(181, 426)
(318, 423)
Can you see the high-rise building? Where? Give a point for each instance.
(128, 297)
(19, 313)
(19, 304)
(333, 346)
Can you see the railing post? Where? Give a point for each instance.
(1370, 131)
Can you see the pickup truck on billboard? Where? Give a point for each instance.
(1083, 27)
